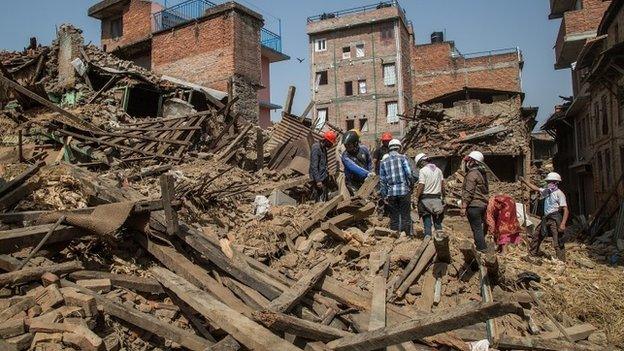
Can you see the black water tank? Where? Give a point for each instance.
(437, 37)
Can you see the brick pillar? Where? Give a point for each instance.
(70, 41)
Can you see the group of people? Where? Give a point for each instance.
(400, 177)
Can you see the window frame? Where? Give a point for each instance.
(111, 29)
(348, 84)
(396, 115)
(317, 43)
(318, 110)
(346, 55)
(360, 92)
(358, 46)
(318, 80)
(384, 76)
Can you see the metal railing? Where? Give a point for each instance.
(270, 40)
(181, 13)
(491, 52)
(361, 9)
(193, 9)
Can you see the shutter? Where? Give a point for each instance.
(389, 74)
(392, 112)
(321, 117)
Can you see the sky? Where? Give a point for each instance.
(474, 25)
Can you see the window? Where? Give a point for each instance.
(350, 124)
(387, 33)
(362, 86)
(348, 88)
(389, 74)
(608, 162)
(364, 124)
(321, 78)
(346, 52)
(391, 112)
(116, 28)
(604, 115)
(321, 117)
(320, 45)
(359, 50)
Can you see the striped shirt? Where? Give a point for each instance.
(394, 175)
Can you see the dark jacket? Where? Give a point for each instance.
(378, 154)
(475, 189)
(318, 162)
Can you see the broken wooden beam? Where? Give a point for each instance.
(290, 98)
(289, 298)
(378, 303)
(243, 329)
(15, 239)
(167, 190)
(131, 282)
(300, 327)
(441, 243)
(144, 321)
(34, 251)
(419, 328)
(411, 265)
(30, 274)
(317, 216)
(423, 263)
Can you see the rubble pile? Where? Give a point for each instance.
(127, 224)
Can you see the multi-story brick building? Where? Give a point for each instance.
(197, 41)
(367, 72)
(585, 127)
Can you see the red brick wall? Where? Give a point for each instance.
(436, 73)
(137, 25)
(202, 52)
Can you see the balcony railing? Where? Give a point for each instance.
(351, 11)
(183, 12)
(190, 10)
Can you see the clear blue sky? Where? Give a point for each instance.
(474, 25)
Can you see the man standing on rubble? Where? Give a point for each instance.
(319, 174)
(395, 187)
(382, 150)
(356, 160)
(555, 216)
(475, 194)
(429, 192)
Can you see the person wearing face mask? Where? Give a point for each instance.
(555, 216)
(475, 194)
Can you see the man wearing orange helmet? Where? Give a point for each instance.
(319, 175)
(382, 150)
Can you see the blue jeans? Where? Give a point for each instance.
(399, 208)
(430, 220)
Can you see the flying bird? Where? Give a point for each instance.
(300, 60)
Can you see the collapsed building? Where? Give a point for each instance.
(129, 222)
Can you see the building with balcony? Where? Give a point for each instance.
(579, 21)
(198, 41)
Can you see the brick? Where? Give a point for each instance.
(137, 25)
(12, 327)
(41, 337)
(49, 327)
(74, 298)
(34, 311)
(84, 339)
(49, 298)
(21, 342)
(15, 307)
(97, 285)
(49, 279)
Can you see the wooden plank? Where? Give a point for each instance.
(80, 123)
(251, 297)
(16, 195)
(235, 142)
(259, 149)
(367, 188)
(238, 270)
(144, 321)
(42, 242)
(290, 98)
(575, 332)
(175, 261)
(30, 274)
(243, 329)
(378, 303)
(16, 239)
(20, 179)
(419, 328)
(317, 216)
(423, 262)
(537, 344)
(411, 265)
(23, 305)
(289, 298)
(131, 282)
(167, 189)
(296, 326)
(119, 146)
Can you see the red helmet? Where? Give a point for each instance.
(387, 136)
(330, 136)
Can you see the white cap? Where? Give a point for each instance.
(394, 143)
(419, 157)
(553, 176)
(476, 155)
